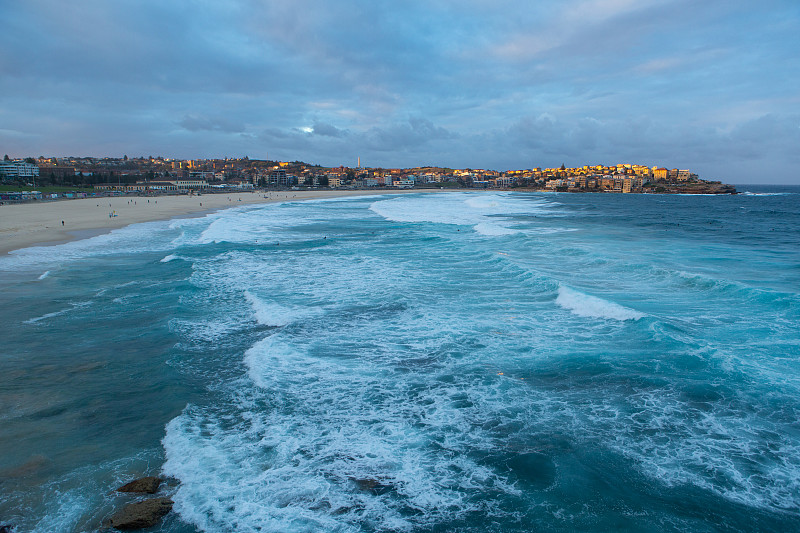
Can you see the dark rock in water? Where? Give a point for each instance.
(147, 485)
(6, 529)
(142, 514)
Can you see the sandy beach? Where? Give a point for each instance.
(48, 223)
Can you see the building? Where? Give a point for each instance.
(201, 175)
(505, 181)
(627, 185)
(279, 178)
(190, 184)
(403, 183)
(18, 170)
(660, 173)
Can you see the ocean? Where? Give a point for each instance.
(455, 362)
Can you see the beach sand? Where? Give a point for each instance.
(40, 223)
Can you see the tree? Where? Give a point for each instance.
(6, 158)
(125, 158)
(563, 167)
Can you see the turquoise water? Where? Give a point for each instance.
(434, 362)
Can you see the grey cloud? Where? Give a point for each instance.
(201, 123)
(694, 84)
(414, 133)
(327, 130)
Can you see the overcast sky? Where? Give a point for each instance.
(709, 85)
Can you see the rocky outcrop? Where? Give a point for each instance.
(147, 485)
(142, 514)
(703, 187)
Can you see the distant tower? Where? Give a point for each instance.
(359, 162)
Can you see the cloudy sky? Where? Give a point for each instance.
(710, 85)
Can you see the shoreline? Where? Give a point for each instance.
(40, 224)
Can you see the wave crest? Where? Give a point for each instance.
(593, 307)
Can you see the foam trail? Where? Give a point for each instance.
(47, 273)
(170, 257)
(593, 307)
(56, 313)
(482, 203)
(492, 229)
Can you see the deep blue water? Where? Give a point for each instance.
(435, 362)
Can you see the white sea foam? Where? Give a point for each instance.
(236, 225)
(170, 257)
(272, 314)
(46, 273)
(205, 331)
(551, 231)
(484, 202)
(65, 513)
(274, 359)
(593, 307)
(144, 237)
(57, 313)
(485, 228)
(263, 224)
(711, 448)
(346, 445)
(487, 213)
(222, 230)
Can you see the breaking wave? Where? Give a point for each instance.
(593, 307)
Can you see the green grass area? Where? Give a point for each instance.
(44, 190)
(449, 185)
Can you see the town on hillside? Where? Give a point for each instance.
(153, 175)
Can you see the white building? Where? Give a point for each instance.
(191, 184)
(403, 184)
(18, 169)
